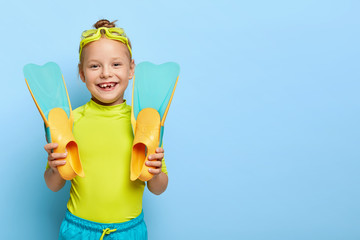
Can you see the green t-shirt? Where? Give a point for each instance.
(104, 137)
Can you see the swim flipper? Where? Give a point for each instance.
(48, 89)
(153, 89)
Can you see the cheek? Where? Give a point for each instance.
(125, 82)
(89, 76)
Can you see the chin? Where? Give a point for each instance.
(109, 102)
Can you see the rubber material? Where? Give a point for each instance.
(61, 132)
(48, 90)
(153, 89)
(146, 140)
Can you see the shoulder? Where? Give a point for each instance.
(127, 107)
(78, 112)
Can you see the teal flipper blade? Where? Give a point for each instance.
(154, 86)
(47, 87)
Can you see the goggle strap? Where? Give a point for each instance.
(97, 35)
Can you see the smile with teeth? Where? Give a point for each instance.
(107, 85)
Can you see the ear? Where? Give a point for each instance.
(81, 73)
(132, 69)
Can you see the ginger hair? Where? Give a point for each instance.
(104, 23)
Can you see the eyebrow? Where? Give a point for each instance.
(114, 58)
(117, 58)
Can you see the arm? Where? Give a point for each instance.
(158, 184)
(52, 176)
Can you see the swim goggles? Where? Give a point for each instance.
(111, 33)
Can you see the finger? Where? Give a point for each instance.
(55, 156)
(155, 171)
(156, 164)
(57, 163)
(156, 156)
(50, 146)
(159, 150)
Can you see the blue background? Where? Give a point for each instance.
(262, 137)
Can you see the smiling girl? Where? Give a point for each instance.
(105, 201)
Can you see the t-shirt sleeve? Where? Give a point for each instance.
(163, 168)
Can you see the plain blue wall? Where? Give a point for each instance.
(262, 137)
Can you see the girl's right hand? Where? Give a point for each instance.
(54, 159)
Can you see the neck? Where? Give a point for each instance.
(119, 101)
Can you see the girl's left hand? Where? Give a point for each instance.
(154, 160)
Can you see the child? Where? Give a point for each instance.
(105, 201)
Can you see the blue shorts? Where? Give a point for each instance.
(76, 228)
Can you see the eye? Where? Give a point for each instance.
(94, 66)
(117, 64)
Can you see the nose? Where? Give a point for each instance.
(106, 72)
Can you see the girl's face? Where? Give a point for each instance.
(106, 70)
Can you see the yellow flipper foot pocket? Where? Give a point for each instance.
(146, 140)
(61, 133)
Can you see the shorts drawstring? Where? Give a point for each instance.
(106, 231)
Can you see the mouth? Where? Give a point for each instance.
(107, 86)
